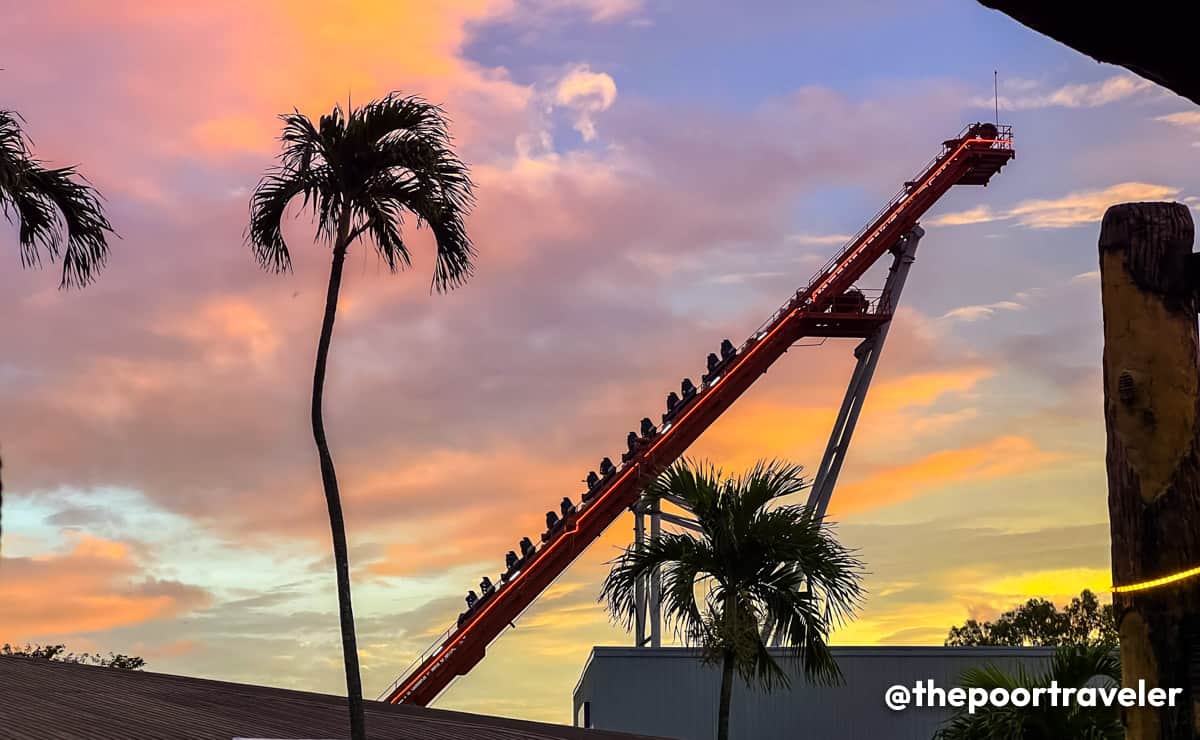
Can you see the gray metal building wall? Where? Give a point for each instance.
(669, 692)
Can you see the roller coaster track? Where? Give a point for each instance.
(971, 158)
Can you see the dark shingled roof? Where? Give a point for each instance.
(43, 700)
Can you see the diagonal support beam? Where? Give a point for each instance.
(868, 357)
(867, 352)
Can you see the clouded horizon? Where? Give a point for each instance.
(652, 177)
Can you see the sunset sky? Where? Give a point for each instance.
(652, 177)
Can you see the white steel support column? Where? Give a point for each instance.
(656, 581)
(868, 357)
(639, 619)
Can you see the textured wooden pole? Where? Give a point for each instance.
(1151, 406)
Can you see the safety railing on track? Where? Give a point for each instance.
(424, 656)
(1003, 140)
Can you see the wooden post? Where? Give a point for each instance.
(1151, 407)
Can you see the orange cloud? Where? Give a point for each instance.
(96, 585)
(923, 388)
(242, 64)
(228, 330)
(236, 132)
(937, 423)
(471, 507)
(997, 458)
(764, 429)
(914, 624)
(776, 426)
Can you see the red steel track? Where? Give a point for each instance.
(972, 158)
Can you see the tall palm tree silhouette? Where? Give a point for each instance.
(359, 172)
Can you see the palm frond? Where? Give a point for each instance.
(698, 484)
(989, 677)
(56, 211)
(422, 173)
(755, 562)
(389, 196)
(769, 480)
(1076, 665)
(397, 116)
(268, 205)
(382, 220)
(302, 143)
(14, 149)
(362, 170)
(1072, 666)
(683, 560)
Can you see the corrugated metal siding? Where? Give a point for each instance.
(40, 700)
(669, 692)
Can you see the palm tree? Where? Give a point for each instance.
(43, 202)
(754, 563)
(359, 172)
(1073, 666)
(56, 214)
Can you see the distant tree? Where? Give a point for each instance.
(1073, 666)
(59, 653)
(1038, 622)
(754, 563)
(1089, 622)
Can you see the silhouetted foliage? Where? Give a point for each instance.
(1038, 622)
(1074, 667)
(57, 213)
(359, 173)
(755, 563)
(59, 653)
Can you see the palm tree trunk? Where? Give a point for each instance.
(337, 524)
(726, 695)
(727, 661)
